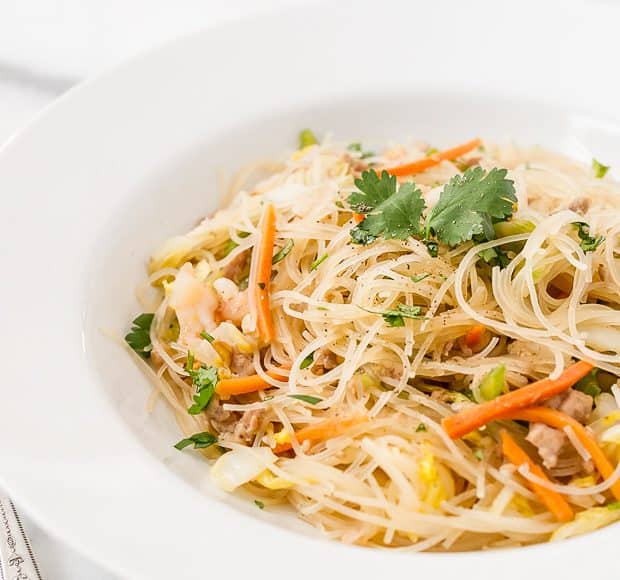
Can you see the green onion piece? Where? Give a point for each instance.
(419, 277)
(513, 227)
(599, 169)
(259, 504)
(421, 427)
(307, 361)
(283, 252)
(478, 454)
(318, 262)
(306, 138)
(494, 383)
(307, 399)
(204, 334)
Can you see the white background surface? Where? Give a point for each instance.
(47, 46)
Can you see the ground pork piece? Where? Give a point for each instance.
(221, 420)
(580, 205)
(325, 361)
(246, 428)
(548, 441)
(575, 404)
(389, 369)
(241, 364)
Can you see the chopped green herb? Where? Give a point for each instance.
(261, 285)
(204, 334)
(259, 504)
(431, 151)
(318, 262)
(468, 205)
(494, 383)
(199, 440)
(357, 147)
(419, 277)
(306, 138)
(340, 204)
(420, 427)
(589, 384)
(478, 454)
(495, 257)
(397, 316)
(205, 380)
(283, 252)
(390, 211)
(599, 169)
(432, 247)
(307, 361)
(139, 338)
(588, 243)
(307, 399)
(243, 234)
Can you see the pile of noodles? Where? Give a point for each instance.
(397, 480)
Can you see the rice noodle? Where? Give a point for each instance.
(395, 480)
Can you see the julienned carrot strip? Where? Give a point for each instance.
(559, 420)
(327, 429)
(264, 255)
(474, 336)
(242, 385)
(358, 217)
(469, 419)
(555, 503)
(432, 160)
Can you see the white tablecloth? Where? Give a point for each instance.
(47, 47)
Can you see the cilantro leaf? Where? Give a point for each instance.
(199, 440)
(419, 277)
(432, 247)
(259, 504)
(390, 212)
(421, 427)
(599, 169)
(283, 252)
(205, 380)
(396, 317)
(468, 205)
(139, 338)
(588, 243)
(307, 399)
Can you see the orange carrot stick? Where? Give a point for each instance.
(432, 160)
(474, 417)
(474, 335)
(358, 217)
(263, 254)
(327, 429)
(555, 503)
(559, 420)
(243, 385)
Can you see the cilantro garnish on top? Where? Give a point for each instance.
(467, 208)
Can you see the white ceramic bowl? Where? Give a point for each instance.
(106, 173)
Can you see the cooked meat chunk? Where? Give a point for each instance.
(247, 427)
(221, 420)
(580, 205)
(241, 364)
(577, 404)
(324, 361)
(548, 441)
